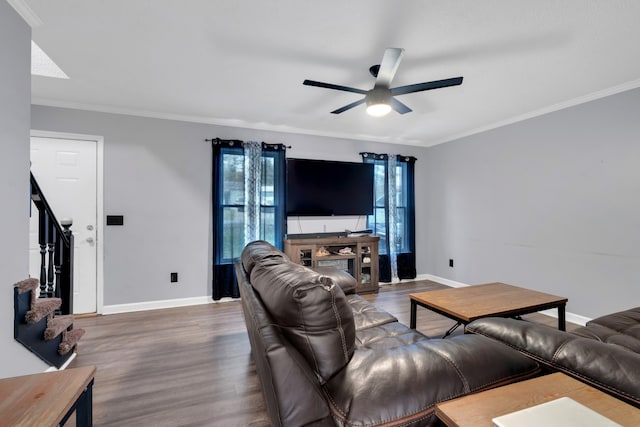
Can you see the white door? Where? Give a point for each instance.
(66, 170)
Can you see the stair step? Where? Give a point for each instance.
(42, 308)
(56, 325)
(70, 340)
(30, 284)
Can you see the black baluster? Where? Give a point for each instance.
(50, 247)
(57, 260)
(66, 285)
(43, 221)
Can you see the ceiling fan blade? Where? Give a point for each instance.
(350, 106)
(418, 87)
(332, 86)
(389, 66)
(399, 106)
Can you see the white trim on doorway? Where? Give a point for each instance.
(100, 203)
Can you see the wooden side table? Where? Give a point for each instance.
(477, 410)
(48, 399)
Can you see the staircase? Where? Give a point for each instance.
(36, 326)
(43, 308)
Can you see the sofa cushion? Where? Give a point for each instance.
(388, 335)
(621, 328)
(400, 386)
(366, 315)
(340, 277)
(625, 322)
(609, 336)
(310, 309)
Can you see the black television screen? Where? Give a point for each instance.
(326, 188)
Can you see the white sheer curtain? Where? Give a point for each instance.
(392, 230)
(252, 186)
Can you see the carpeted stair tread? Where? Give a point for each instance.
(30, 284)
(70, 340)
(41, 309)
(27, 285)
(56, 325)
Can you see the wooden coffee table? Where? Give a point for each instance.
(469, 303)
(479, 409)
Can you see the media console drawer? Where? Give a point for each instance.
(356, 255)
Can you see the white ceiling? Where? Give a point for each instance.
(242, 62)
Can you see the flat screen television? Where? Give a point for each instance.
(328, 188)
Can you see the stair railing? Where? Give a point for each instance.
(56, 252)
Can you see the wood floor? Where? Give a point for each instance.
(191, 366)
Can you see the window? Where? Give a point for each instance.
(393, 218)
(403, 232)
(232, 205)
(246, 207)
(377, 222)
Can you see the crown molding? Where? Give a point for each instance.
(25, 11)
(633, 84)
(237, 123)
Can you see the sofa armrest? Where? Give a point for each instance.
(610, 368)
(291, 391)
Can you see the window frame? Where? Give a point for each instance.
(402, 205)
(222, 257)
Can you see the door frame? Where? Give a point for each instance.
(99, 140)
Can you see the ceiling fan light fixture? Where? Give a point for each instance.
(378, 103)
(378, 109)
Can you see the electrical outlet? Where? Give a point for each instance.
(174, 277)
(450, 263)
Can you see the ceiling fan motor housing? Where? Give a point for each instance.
(378, 95)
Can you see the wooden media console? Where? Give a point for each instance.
(357, 255)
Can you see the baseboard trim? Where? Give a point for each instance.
(570, 317)
(442, 280)
(185, 302)
(155, 305)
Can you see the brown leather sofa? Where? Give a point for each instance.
(325, 358)
(605, 353)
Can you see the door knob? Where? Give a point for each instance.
(90, 239)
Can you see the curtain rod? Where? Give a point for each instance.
(237, 140)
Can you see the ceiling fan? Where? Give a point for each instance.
(380, 100)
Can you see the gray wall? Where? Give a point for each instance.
(551, 203)
(157, 173)
(15, 97)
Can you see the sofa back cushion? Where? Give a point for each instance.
(310, 309)
(611, 368)
(261, 252)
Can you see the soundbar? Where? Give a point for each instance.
(316, 235)
(366, 231)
